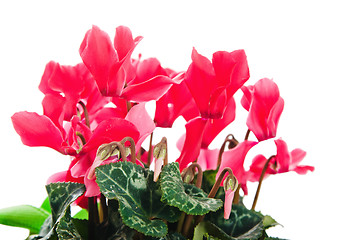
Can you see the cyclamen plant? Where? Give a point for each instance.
(95, 112)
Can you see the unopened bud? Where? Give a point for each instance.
(107, 150)
(230, 183)
(230, 186)
(188, 175)
(160, 155)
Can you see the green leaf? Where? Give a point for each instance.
(65, 228)
(186, 197)
(139, 197)
(207, 229)
(46, 205)
(61, 195)
(24, 216)
(211, 231)
(170, 236)
(117, 230)
(269, 222)
(82, 214)
(241, 220)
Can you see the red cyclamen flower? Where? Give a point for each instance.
(110, 66)
(265, 107)
(213, 84)
(234, 159)
(284, 161)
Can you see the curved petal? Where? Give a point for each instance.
(123, 41)
(234, 159)
(274, 117)
(92, 188)
(247, 97)
(208, 159)
(143, 122)
(177, 101)
(297, 156)
(215, 126)
(240, 73)
(48, 72)
(152, 89)
(53, 108)
(265, 96)
(283, 156)
(114, 129)
(57, 177)
(200, 79)
(192, 145)
(101, 59)
(303, 169)
(147, 69)
(36, 130)
(223, 64)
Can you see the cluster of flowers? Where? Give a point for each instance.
(102, 100)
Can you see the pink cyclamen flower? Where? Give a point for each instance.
(110, 65)
(284, 161)
(213, 84)
(200, 133)
(70, 84)
(265, 107)
(176, 102)
(151, 81)
(234, 159)
(40, 131)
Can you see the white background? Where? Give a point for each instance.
(312, 50)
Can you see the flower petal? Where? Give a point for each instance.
(143, 122)
(152, 89)
(177, 101)
(234, 159)
(114, 129)
(36, 130)
(192, 145)
(283, 156)
(215, 126)
(101, 60)
(200, 79)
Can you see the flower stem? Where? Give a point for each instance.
(93, 217)
(187, 224)
(214, 190)
(103, 213)
(247, 135)
(86, 115)
(149, 151)
(218, 181)
(260, 181)
(181, 222)
(191, 169)
(133, 148)
(232, 142)
(237, 195)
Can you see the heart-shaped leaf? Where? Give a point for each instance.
(186, 197)
(209, 230)
(241, 220)
(139, 197)
(61, 195)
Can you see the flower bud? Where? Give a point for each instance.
(104, 152)
(107, 150)
(160, 155)
(230, 186)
